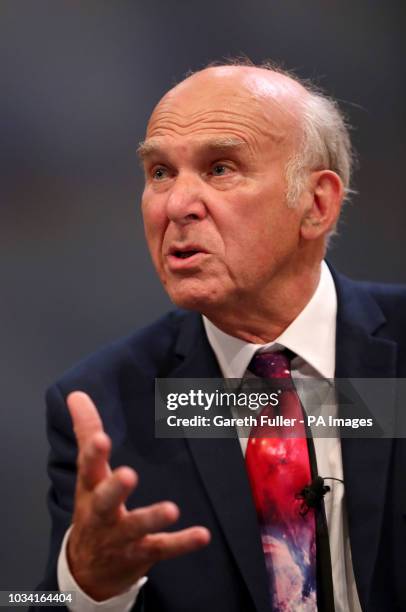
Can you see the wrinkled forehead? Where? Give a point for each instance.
(238, 102)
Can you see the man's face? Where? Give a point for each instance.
(214, 205)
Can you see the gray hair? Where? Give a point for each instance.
(325, 144)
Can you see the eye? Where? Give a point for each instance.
(220, 169)
(159, 172)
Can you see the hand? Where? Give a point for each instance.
(110, 547)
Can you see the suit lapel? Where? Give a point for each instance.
(220, 463)
(361, 353)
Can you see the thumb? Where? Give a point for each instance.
(86, 419)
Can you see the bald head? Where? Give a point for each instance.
(265, 100)
(262, 84)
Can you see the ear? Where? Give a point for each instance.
(324, 197)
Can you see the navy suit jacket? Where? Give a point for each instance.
(207, 477)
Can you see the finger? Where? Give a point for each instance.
(160, 546)
(86, 419)
(112, 492)
(143, 521)
(93, 459)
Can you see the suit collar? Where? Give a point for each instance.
(360, 350)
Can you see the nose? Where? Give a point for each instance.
(185, 202)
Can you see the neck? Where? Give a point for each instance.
(260, 321)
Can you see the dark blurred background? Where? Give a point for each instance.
(78, 81)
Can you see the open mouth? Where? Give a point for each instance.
(185, 258)
(185, 254)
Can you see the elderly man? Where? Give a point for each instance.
(245, 173)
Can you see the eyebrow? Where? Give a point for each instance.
(152, 146)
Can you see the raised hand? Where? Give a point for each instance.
(110, 547)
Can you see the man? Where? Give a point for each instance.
(245, 173)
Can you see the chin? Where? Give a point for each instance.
(195, 296)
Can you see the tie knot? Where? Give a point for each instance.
(271, 365)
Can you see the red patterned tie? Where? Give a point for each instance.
(278, 465)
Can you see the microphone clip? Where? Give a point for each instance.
(312, 495)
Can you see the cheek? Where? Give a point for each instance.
(259, 239)
(249, 232)
(155, 222)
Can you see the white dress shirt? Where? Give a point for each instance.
(311, 336)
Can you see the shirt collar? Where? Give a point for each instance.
(311, 336)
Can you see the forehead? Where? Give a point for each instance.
(225, 106)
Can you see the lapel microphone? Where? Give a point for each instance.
(312, 494)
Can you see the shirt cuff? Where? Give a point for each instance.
(82, 602)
